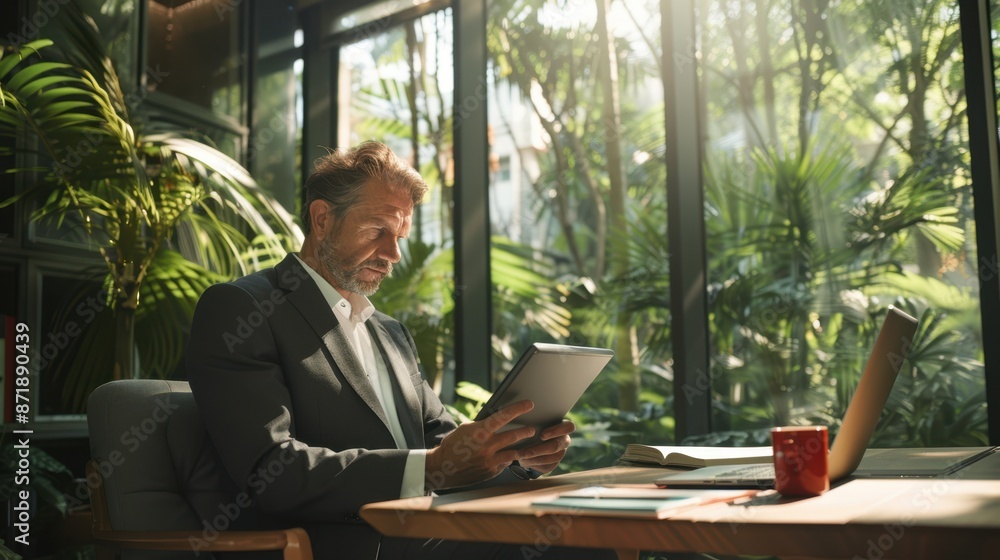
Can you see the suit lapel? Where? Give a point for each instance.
(409, 415)
(304, 294)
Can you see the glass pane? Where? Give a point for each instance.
(225, 141)
(396, 87)
(118, 23)
(837, 183)
(367, 15)
(272, 156)
(76, 323)
(10, 292)
(195, 53)
(578, 206)
(8, 217)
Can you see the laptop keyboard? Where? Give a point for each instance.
(749, 471)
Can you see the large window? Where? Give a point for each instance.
(837, 182)
(276, 119)
(578, 204)
(395, 85)
(196, 47)
(196, 69)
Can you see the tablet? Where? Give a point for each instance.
(553, 376)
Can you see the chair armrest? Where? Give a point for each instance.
(294, 542)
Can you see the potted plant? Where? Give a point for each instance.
(168, 214)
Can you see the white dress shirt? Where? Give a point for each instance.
(352, 313)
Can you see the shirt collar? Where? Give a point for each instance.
(356, 308)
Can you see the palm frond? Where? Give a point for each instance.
(136, 196)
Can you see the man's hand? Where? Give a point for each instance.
(472, 453)
(545, 456)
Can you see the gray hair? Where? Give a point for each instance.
(340, 176)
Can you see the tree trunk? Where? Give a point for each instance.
(561, 199)
(928, 258)
(625, 348)
(125, 356)
(745, 79)
(767, 74)
(411, 101)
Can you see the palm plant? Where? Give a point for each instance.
(169, 214)
(797, 287)
(939, 395)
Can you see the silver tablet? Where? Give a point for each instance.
(553, 376)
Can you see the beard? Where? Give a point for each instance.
(347, 276)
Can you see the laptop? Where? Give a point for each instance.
(891, 347)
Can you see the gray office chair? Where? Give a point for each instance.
(156, 483)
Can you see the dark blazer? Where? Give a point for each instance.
(289, 408)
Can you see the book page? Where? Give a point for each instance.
(697, 456)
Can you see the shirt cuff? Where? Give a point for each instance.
(413, 474)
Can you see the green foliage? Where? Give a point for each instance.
(169, 215)
(939, 397)
(469, 400)
(51, 481)
(808, 239)
(49, 484)
(418, 294)
(799, 301)
(8, 554)
(526, 308)
(836, 183)
(167, 303)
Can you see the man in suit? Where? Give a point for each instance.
(314, 399)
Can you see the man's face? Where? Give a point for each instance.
(362, 247)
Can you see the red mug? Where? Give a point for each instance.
(800, 460)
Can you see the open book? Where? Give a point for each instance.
(645, 503)
(694, 456)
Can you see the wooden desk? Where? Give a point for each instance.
(954, 517)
